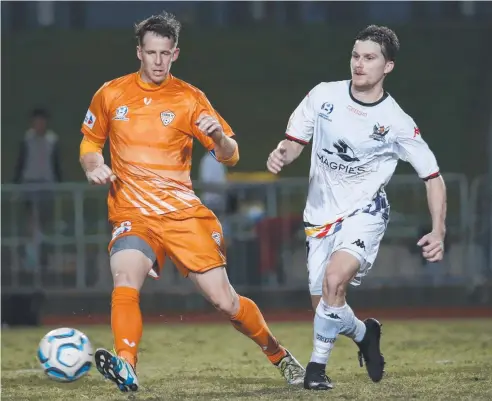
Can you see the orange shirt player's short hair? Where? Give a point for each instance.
(151, 130)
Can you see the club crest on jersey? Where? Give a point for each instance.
(216, 237)
(167, 117)
(121, 113)
(379, 132)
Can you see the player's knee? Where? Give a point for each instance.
(335, 282)
(225, 303)
(129, 268)
(341, 269)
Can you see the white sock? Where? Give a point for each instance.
(327, 324)
(351, 326)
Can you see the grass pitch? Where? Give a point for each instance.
(441, 360)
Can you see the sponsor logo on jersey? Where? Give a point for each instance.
(343, 151)
(89, 119)
(356, 111)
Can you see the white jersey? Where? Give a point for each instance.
(355, 149)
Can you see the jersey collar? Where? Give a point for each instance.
(150, 86)
(383, 98)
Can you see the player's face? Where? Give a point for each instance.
(368, 65)
(156, 53)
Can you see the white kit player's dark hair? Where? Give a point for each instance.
(384, 36)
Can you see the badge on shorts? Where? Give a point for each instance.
(167, 117)
(216, 237)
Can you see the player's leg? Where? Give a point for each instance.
(318, 255)
(131, 261)
(247, 318)
(195, 243)
(361, 237)
(333, 315)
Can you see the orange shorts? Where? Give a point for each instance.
(192, 238)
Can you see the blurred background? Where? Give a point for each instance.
(255, 61)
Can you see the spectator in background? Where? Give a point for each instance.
(39, 154)
(38, 163)
(215, 173)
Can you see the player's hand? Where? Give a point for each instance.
(100, 175)
(210, 126)
(432, 246)
(276, 160)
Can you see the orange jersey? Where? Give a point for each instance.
(151, 130)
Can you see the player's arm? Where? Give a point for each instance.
(436, 198)
(95, 129)
(225, 148)
(214, 132)
(414, 149)
(300, 129)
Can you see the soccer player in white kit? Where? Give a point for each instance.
(358, 133)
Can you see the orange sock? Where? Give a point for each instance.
(126, 322)
(249, 321)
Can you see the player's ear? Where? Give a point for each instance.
(389, 67)
(139, 53)
(175, 54)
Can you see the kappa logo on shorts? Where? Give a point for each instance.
(360, 244)
(167, 117)
(122, 228)
(216, 237)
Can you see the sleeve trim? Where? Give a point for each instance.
(294, 139)
(432, 176)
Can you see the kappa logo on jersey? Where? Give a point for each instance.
(343, 151)
(326, 110)
(167, 117)
(416, 131)
(89, 119)
(122, 228)
(379, 132)
(216, 237)
(121, 113)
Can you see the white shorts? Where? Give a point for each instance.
(359, 235)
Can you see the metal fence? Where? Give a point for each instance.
(480, 232)
(55, 237)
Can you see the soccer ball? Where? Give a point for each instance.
(65, 354)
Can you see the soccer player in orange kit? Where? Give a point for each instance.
(151, 119)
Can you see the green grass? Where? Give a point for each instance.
(442, 360)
